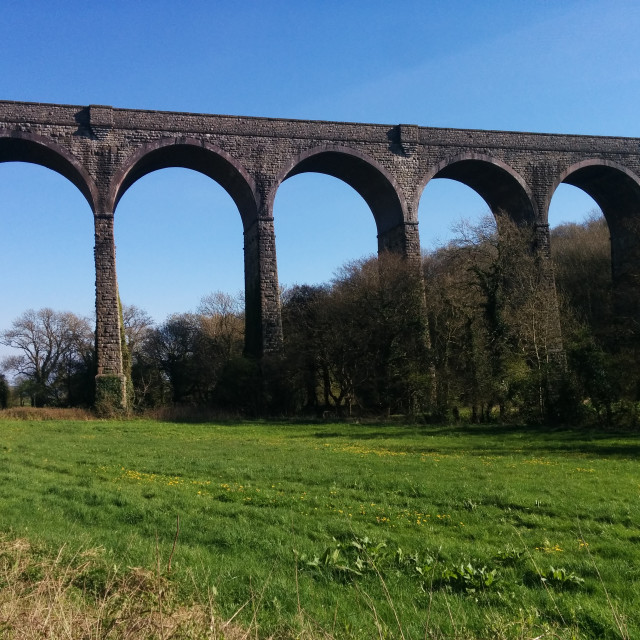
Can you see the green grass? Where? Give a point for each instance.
(304, 522)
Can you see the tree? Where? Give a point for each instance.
(600, 318)
(191, 350)
(493, 320)
(171, 349)
(137, 325)
(362, 340)
(381, 301)
(223, 321)
(4, 392)
(306, 371)
(582, 263)
(146, 383)
(456, 330)
(54, 346)
(183, 360)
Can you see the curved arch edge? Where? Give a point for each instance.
(289, 170)
(480, 157)
(582, 164)
(119, 185)
(76, 174)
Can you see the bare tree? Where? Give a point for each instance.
(222, 320)
(137, 325)
(48, 342)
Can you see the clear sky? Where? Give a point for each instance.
(547, 66)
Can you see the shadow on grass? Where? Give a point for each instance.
(474, 439)
(500, 439)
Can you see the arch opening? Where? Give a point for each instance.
(485, 290)
(178, 238)
(180, 263)
(321, 223)
(598, 271)
(210, 161)
(32, 150)
(46, 258)
(616, 191)
(444, 206)
(498, 185)
(571, 205)
(581, 253)
(372, 182)
(338, 294)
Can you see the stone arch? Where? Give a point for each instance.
(18, 146)
(217, 164)
(499, 185)
(189, 153)
(616, 190)
(371, 180)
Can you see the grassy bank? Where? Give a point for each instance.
(344, 530)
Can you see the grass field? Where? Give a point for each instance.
(344, 531)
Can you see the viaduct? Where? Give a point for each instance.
(104, 150)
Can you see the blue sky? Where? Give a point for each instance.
(567, 67)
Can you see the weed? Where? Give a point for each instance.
(560, 578)
(469, 579)
(508, 556)
(346, 559)
(469, 505)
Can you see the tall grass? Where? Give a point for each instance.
(46, 413)
(76, 595)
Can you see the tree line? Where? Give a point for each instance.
(473, 334)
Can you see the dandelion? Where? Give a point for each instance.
(547, 548)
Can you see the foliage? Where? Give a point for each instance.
(602, 343)
(477, 333)
(560, 577)
(110, 395)
(582, 265)
(360, 343)
(493, 323)
(358, 556)
(239, 387)
(346, 560)
(183, 360)
(469, 579)
(126, 361)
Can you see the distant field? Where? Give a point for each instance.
(348, 531)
